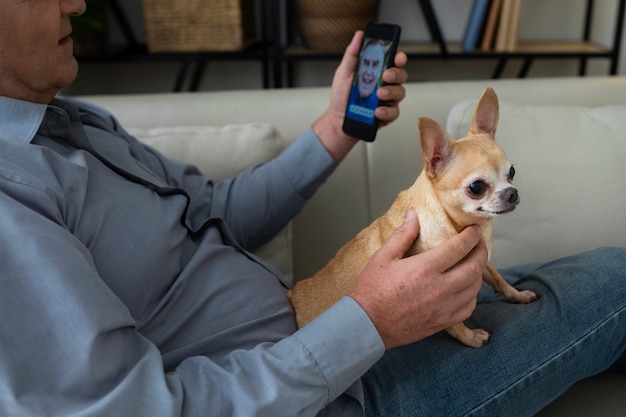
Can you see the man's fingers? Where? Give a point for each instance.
(455, 249)
(403, 237)
(400, 59)
(473, 266)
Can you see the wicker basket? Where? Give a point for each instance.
(328, 25)
(198, 25)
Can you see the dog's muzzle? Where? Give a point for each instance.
(505, 201)
(511, 196)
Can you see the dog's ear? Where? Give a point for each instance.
(436, 145)
(485, 119)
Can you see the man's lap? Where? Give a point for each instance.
(537, 351)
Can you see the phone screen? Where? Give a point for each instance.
(376, 54)
(373, 60)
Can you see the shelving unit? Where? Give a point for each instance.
(277, 51)
(438, 49)
(191, 65)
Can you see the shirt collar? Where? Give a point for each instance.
(20, 120)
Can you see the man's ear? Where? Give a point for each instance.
(436, 146)
(486, 115)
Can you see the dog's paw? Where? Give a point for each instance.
(476, 338)
(522, 297)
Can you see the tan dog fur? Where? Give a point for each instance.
(442, 199)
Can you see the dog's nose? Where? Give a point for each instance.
(511, 196)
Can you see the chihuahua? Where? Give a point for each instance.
(463, 182)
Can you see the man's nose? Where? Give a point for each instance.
(72, 7)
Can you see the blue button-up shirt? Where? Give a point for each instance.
(127, 288)
(362, 108)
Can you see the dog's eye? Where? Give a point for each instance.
(511, 173)
(478, 188)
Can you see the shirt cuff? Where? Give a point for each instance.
(343, 343)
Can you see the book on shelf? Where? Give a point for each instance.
(476, 25)
(508, 26)
(514, 26)
(491, 26)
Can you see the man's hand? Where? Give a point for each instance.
(329, 126)
(411, 298)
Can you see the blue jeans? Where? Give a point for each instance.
(536, 353)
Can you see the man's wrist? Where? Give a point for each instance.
(337, 143)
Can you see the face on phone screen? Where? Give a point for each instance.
(373, 59)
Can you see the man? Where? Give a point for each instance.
(128, 290)
(363, 99)
(371, 65)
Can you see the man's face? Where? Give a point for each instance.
(370, 68)
(36, 52)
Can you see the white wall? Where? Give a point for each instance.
(540, 19)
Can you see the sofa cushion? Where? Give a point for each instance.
(218, 151)
(570, 163)
(223, 151)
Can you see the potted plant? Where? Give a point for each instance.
(90, 30)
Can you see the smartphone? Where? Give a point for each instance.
(378, 49)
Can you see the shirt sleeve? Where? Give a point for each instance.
(70, 347)
(259, 202)
(277, 190)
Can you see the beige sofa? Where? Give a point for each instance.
(565, 137)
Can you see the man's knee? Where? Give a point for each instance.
(609, 258)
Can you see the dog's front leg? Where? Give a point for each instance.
(474, 338)
(492, 277)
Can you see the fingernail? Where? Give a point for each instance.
(409, 216)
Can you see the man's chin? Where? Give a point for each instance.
(67, 75)
(366, 91)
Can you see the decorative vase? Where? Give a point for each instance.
(328, 25)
